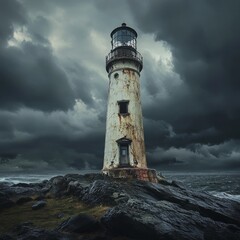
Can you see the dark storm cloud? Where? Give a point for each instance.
(204, 39)
(197, 157)
(54, 139)
(30, 75)
(40, 123)
(87, 85)
(11, 12)
(204, 109)
(54, 86)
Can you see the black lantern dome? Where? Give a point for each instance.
(124, 46)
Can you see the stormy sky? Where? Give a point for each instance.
(53, 83)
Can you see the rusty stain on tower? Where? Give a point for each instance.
(124, 154)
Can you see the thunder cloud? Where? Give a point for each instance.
(53, 84)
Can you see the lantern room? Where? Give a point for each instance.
(124, 46)
(124, 37)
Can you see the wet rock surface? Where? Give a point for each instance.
(138, 210)
(39, 204)
(27, 231)
(81, 223)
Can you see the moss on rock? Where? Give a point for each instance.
(49, 217)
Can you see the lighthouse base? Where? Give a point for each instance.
(144, 174)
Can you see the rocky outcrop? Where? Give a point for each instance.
(169, 211)
(164, 220)
(138, 209)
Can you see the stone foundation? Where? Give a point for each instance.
(144, 174)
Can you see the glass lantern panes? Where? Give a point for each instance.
(124, 38)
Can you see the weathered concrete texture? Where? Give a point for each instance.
(143, 174)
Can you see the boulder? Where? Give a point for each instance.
(105, 192)
(172, 212)
(81, 223)
(164, 220)
(74, 188)
(20, 190)
(27, 231)
(58, 186)
(39, 205)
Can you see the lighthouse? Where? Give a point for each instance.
(124, 154)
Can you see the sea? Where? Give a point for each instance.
(219, 184)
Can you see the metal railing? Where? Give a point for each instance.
(124, 53)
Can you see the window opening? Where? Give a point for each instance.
(123, 107)
(116, 75)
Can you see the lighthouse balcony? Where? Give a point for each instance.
(124, 53)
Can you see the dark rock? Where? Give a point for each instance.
(21, 227)
(161, 179)
(39, 198)
(45, 190)
(3, 194)
(20, 190)
(164, 181)
(27, 231)
(71, 184)
(171, 212)
(58, 186)
(39, 205)
(74, 188)
(105, 192)
(81, 223)
(139, 210)
(178, 184)
(24, 185)
(23, 200)
(95, 176)
(6, 237)
(5, 202)
(163, 220)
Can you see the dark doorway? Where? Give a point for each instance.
(124, 155)
(123, 145)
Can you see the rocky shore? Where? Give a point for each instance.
(95, 207)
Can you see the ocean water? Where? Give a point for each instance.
(30, 177)
(219, 184)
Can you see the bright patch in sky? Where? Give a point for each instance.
(159, 50)
(19, 35)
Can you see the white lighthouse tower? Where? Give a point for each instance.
(124, 155)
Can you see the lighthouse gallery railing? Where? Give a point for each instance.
(124, 54)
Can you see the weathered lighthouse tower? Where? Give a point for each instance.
(124, 155)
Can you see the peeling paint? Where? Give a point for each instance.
(125, 87)
(124, 127)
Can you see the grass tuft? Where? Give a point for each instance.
(47, 217)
